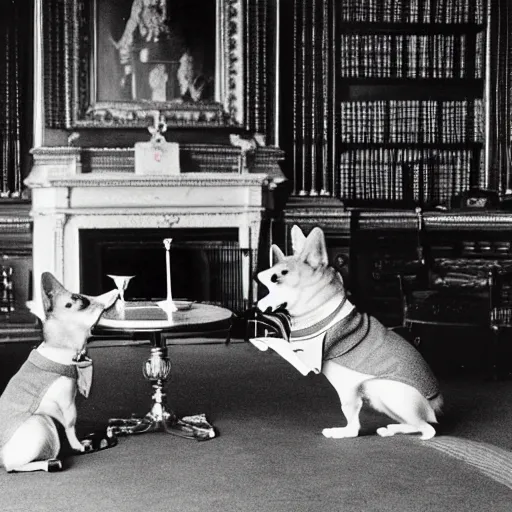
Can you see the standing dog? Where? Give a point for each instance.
(44, 389)
(362, 359)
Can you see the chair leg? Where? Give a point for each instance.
(414, 337)
(228, 336)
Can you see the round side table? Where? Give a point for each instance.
(145, 318)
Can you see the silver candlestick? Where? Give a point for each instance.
(168, 304)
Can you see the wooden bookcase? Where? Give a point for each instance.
(392, 100)
(411, 101)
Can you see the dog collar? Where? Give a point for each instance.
(342, 311)
(80, 371)
(47, 365)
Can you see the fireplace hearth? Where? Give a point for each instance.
(207, 265)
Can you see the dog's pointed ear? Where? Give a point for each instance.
(50, 287)
(276, 255)
(314, 252)
(50, 284)
(298, 240)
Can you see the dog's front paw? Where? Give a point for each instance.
(99, 440)
(54, 465)
(87, 446)
(77, 446)
(340, 432)
(80, 447)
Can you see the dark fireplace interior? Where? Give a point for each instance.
(206, 263)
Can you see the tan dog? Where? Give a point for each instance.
(44, 389)
(362, 359)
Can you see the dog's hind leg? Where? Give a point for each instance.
(427, 431)
(404, 404)
(50, 465)
(33, 447)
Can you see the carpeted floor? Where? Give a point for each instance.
(270, 455)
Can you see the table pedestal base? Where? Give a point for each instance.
(191, 427)
(157, 369)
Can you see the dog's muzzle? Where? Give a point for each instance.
(264, 307)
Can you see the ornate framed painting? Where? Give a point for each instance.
(120, 63)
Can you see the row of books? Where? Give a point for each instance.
(11, 94)
(410, 56)
(423, 176)
(10, 178)
(56, 105)
(412, 121)
(413, 11)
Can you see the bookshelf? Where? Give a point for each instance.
(389, 100)
(386, 106)
(16, 323)
(411, 100)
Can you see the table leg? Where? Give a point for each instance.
(156, 369)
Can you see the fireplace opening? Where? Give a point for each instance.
(207, 264)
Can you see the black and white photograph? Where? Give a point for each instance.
(256, 255)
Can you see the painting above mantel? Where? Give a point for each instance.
(122, 64)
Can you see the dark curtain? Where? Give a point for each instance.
(16, 47)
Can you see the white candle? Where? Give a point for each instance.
(168, 304)
(167, 245)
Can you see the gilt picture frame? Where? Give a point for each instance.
(123, 64)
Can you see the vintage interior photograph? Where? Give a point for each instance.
(256, 255)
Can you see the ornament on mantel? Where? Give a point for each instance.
(246, 144)
(157, 157)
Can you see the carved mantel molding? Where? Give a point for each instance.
(96, 188)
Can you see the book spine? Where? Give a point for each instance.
(304, 98)
(325, 189)
(7, 77)
(295, 101)
(15, 189)
(313, 117)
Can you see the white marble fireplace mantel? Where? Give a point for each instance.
(65, 201)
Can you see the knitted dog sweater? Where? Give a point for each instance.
(25, 390)
(360, 342)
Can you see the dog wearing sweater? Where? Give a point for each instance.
(43, 391)
(362, 359)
